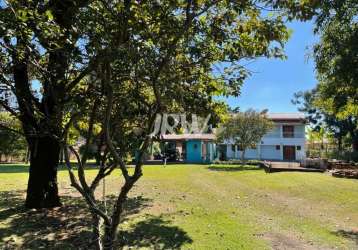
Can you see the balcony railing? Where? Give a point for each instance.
(285, 135)
(288, 134)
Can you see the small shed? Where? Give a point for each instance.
(194, 148)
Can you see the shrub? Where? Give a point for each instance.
(343, 155)
(235, 162)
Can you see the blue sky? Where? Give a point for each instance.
(275, 81)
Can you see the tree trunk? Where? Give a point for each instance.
(42, 190)
(243, 157)
(61, 161)
(339, 143)
(96, 230)
(355, 145)
(110, 231)
(109, 237)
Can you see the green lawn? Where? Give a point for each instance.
(195, 207)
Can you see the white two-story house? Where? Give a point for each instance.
(285, 142)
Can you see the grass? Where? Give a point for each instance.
(194, 207)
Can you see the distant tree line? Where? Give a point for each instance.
(13, 146)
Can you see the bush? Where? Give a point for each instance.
(343, 155)
(236, 162)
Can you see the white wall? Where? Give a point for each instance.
(283, 141)
(298, 140)
(274, 133)
(300, 130)
(301, 154)
(229, 153)
(249, 153)
(269, 152)
(265, 152)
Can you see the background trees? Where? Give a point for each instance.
(245, 129)
(12, 141)
(336, 63)
(320, 118)
(334, 102)
(330, 126)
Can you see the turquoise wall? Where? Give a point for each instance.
(193, 153)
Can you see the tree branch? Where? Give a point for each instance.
(8, 108)
(109, 142)
(81, 75)
(11, 129)
(80, 170)
(90, 201)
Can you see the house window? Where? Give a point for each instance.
(288, 131)
(298, 147)
(278, 147)
(233, 148)
(239, 148)
(195, 146)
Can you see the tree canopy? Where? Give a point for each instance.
(334, 102)
(336, 60)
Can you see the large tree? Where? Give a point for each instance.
(49, 50)
(337, 65)
(334, 101)
(156, 58)
(41, 62)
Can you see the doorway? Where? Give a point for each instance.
(221, 151)
(289, 153)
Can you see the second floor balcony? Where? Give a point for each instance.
(285, 135)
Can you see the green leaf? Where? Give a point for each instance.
(49, 15)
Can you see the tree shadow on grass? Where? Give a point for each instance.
(233, 168)
(66, 227)
(69, 227)
(348, 234)
(155, 233)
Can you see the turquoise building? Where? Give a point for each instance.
(193, 148)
